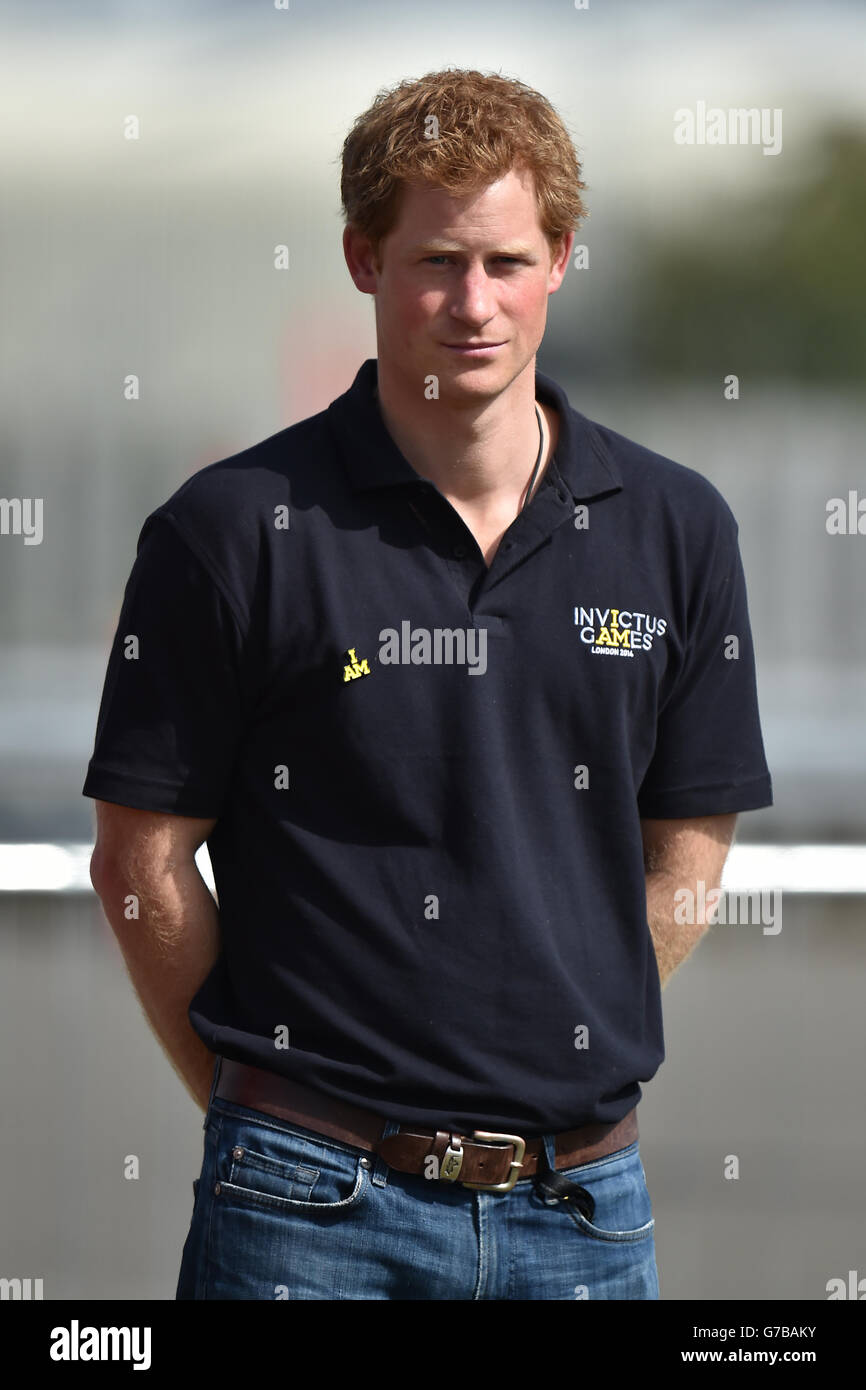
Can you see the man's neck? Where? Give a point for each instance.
(480, 455)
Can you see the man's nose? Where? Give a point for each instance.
(472, 300)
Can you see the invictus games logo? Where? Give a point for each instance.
(618, 631)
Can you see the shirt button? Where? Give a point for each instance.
(458, 551)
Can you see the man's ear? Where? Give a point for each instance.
(361, 260)
(559, 263)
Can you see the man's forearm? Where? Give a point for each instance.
(673, 940)
(169, 949)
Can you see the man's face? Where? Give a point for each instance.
(461, 270)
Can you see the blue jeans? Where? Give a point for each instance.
(281, 1212)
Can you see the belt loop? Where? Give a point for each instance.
(217, 1068)
(380, 1167)
(549, 1146)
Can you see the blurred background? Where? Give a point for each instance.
(155, 256)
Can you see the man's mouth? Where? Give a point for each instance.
(481, 349)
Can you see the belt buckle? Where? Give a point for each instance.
(503, 1140)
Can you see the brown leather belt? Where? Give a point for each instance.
(485, 1159)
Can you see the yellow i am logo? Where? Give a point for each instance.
(355, 667)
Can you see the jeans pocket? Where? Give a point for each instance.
(622, 1206)
(286, 1168)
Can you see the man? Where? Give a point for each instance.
(444, 677)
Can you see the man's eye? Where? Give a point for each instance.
(511, 260)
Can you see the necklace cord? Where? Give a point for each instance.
(537, 461)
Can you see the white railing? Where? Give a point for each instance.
(65, 868)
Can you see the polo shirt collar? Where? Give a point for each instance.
(372, 458)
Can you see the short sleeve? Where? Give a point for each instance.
(172, 707)
(709, 753)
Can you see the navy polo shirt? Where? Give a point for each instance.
(429, 774)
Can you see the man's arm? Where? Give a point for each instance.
(170, 947)
(677, 854)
